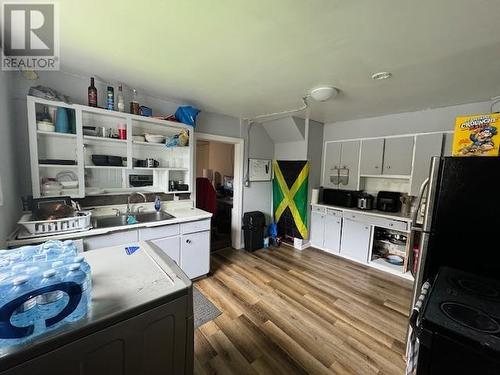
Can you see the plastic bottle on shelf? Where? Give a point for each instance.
(76, 275)
(50, 304)
(121, 101)
(25, 315)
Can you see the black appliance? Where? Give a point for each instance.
(459, 221)
(459, 332)
(342, 198)
(254, 223)
(365, 201)
(388, 201)
(140, 180)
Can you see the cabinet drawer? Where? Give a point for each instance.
(112, 239)
(358, 217)
(395, 224)
(195, 226)
(377, 221)
(318, 209)
(332, 212)
(146, 234)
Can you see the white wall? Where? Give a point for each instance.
(255, 197)
(432, 120)
(10, 209)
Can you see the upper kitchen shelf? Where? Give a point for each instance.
(115, 136)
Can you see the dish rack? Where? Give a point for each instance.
(46, 227)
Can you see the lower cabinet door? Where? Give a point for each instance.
(170, 246)
(356, 238)
(333, 230)
(317, 229)
(195, 254)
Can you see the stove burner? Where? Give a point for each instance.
(470, 317)
(478, 288)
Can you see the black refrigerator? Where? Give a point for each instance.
(457, 223)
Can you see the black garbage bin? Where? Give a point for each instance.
(254, 223)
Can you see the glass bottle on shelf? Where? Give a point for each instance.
(134, 104)
(92, 93)
(110, 99)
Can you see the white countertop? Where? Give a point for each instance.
(387, 215)
(181, 215)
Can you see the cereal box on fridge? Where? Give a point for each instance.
(477, 135)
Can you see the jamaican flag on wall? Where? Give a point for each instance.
(290, 197)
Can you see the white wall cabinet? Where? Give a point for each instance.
(356, 237)
(372, 156)
(398, 155)
(341, 165)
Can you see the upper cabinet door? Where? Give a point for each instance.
(331, 164)
(349, 165)
(398, 155)
(426, 146)
(372, 155)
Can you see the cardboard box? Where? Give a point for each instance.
(477, 135)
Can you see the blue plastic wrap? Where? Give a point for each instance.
(187, 115)
(41, 288)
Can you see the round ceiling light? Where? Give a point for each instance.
(381, 75)
(322, 94)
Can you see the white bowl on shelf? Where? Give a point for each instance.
(69, 184)
(138, 138)
(154, 138)
(46, 126)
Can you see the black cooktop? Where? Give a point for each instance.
(465, 306)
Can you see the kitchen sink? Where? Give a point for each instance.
(121, 220)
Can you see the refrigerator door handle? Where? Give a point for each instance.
(414, 225)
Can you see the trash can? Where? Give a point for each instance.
(254, 223)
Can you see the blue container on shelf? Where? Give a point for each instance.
(62, 121)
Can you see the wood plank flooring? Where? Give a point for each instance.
(291, 312)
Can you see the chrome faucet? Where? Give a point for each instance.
(131, 195)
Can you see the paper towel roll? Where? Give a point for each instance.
(314, 196)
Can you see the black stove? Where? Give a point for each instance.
(460, 328)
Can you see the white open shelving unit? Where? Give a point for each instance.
(176, 163)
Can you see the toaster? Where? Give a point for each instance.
(388, 201)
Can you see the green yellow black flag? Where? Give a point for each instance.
(290, 197)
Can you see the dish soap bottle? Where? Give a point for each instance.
(121, 102)
(157, 204)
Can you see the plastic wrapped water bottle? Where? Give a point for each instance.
(25, 315)
(50, 304)
(76, 275)
(85, 267)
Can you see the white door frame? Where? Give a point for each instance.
(239, 157)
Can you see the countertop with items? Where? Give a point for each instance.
(181, 215)
(384, 214)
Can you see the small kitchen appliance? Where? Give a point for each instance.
(343, 198)
(388, 201)
(365, 201)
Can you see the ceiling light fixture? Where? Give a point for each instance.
(322, 94)
(381, 75)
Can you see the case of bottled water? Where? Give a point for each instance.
(41, 288)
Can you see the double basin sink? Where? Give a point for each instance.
(132, 218)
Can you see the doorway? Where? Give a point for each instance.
(219, 177)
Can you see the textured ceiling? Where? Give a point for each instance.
(244, 58)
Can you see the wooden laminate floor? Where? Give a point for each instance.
(291, 312)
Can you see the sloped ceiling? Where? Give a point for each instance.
(244, 58)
